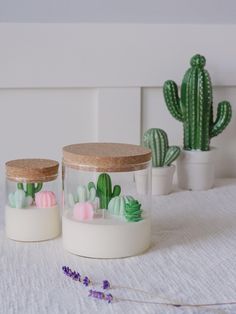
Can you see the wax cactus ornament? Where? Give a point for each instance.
(84, 194)
(83, 211)
(162, 153)
(45, 199)
(18, 199)
(104, 190)
(117, 204)
(30, 189)
(133, 211)
(194, 107)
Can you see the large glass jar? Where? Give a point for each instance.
(106, 213)
(32, 212)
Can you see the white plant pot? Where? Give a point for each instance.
(196, 169)
(162, 178)
(141, 180)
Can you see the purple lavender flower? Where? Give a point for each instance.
(109, 297)
(100, 295)
(96, 294)
(106, 284)
(72, 274)
(86, 281)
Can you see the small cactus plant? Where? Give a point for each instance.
(84, 194)
(162, 153)
(194, 106)
(30, 189)
(45, 199)
(104, 190)
(125, 206)
(133, 211)
(18, 199)
(116, 205)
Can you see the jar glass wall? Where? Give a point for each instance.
(105, 213)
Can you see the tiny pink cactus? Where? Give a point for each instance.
(45, 199)
(83, 211)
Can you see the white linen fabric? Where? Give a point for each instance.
(192, 259)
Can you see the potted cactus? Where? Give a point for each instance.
(163, 156)
(194, 108)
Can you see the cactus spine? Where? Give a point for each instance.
(194, 107)
(30, 189)
(162, 153)
(104, 190)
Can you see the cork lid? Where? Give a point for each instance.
(32, 170)
(110, 157)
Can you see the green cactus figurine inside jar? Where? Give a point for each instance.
(163, 156)
(194, 108)
(104, 215)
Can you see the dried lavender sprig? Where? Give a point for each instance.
(109, 297)
(72, 274)
(100, 295)
(86, 281)
(106, 284)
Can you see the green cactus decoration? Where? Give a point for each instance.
(194, 107)
(104, 190)
(30, 188)
(162, 153)
(133, 212)
(117, 204)
(19, 199)
(84, 194)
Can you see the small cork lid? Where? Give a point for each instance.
(106, 157)
(32, 170)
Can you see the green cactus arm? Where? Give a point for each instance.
(91, 185)
(224, 114)
(116, 190)
(20, 186)
(38, 187)
(172, 99)
(92, 194)
(171, 155)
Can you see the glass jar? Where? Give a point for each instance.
(32, 212)
(105, 213)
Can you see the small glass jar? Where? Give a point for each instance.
(105, 215)
(32, 212)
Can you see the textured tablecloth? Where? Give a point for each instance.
(192, 259)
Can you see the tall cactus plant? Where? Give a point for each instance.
(162, 153)
(194, 107)
(104, 190)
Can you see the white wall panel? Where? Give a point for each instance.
(65, 83)
(111, 55)
(38, 122)
(119, 115)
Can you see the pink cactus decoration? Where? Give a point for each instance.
(83, 211)
(45, 199)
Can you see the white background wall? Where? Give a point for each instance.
(66, 83)
(119, 11)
